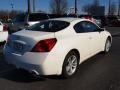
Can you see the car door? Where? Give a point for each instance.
(84, 40)
(95, 36)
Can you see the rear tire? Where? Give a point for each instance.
(70, 65)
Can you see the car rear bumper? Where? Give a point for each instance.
(3, 36)
(39, 63)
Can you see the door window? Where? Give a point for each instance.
(85, 26)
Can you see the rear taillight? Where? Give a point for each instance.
(45, 45)
(5, 28)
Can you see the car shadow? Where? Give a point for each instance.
(85, 66)
(22, 76)
(2, 43)
(9, 72)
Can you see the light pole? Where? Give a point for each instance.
(119, 8)
(12, 6)
(12, 9)
(29, 7)
(76, 7)
(33, 5)
(109, 9)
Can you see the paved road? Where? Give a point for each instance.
(114, 30)
(101, 72)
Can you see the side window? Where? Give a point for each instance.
(85, 26)
(79, 28)
(90, 27)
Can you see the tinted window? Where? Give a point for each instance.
(37, 17)
(90, 27)
(85, 27)
(19, 18)
(79, 28)
(49, 26)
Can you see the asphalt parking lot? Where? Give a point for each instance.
(101, 72)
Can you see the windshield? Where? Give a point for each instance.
(49, 26)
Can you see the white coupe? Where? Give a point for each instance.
(56, 46)
(3, 32)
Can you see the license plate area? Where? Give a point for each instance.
(19, 46)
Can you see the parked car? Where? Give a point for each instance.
(24, 20)
(56, 46)
(102, 20)
(93, 19)
(113, 20)
(3, 32)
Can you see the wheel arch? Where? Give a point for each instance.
(72, 50)
(76, 51)
(110, 38)
(107, 38)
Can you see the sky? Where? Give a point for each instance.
(44, 4)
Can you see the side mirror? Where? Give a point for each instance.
(103, 29)
(100, 29)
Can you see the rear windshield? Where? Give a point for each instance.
(49, 26)
(19, 18)
(37, 17)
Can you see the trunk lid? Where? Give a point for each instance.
(23, 41)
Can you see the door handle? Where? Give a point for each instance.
(90, 37)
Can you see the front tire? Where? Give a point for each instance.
(107, 46)
(70, 64)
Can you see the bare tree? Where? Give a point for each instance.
(87, 9)
(58, 6)
(113, 8)
(6, 14)
(91, 8)
(96, 3)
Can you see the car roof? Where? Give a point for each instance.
(67, 19)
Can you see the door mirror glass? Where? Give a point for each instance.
(100, 29)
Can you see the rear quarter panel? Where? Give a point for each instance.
(68, 40)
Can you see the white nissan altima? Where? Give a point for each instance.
(56, 46)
